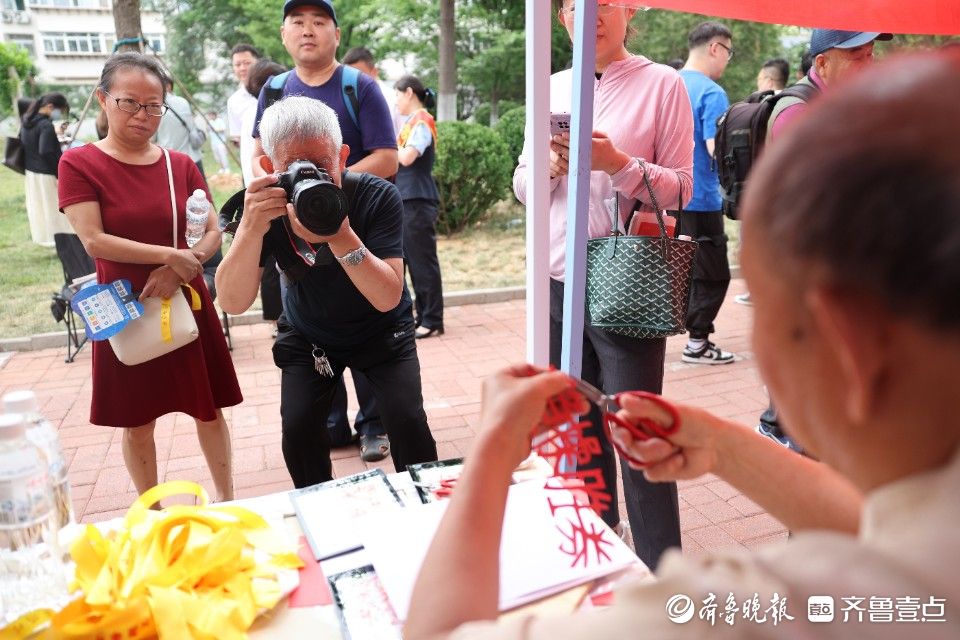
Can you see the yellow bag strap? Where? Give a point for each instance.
(165, 331)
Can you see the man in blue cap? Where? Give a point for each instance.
(837, 56)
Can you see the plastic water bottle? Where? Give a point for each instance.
(43, 434)
(198, 209)
(31, 562)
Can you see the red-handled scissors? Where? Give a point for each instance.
(643, 429)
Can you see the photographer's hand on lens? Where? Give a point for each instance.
(162, 282)
(342, 233)
(263, 202)
(184, 263)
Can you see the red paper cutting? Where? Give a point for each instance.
(584, 543)
(313, 590)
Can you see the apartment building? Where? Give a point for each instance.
(69, 40)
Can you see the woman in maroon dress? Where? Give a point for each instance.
(115, 193)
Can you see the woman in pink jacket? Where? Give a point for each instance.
(641, 112)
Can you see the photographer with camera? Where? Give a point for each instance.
(337, 238)
(310, 33)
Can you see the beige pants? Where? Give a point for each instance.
(42, 211)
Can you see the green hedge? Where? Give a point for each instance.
(510, 126)
(472, 172)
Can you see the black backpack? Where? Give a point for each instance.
(741, 133)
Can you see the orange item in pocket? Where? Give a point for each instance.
(645, 224)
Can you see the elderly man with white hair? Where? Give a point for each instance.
(344, 302)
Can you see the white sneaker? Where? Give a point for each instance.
(743, 298)
(708, 354)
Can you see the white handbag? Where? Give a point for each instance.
(167, 324)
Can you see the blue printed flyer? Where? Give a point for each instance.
(106, 308)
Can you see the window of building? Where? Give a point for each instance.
(24, 41)
(72, 43)
(12, 5)
(156, 41)
(68, 4)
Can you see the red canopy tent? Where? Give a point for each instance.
(940, 17)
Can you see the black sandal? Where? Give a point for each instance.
(374, 448)
(426, 332)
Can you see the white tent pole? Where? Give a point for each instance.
(538, 182)
(581, 129)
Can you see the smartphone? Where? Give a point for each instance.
(559, 123)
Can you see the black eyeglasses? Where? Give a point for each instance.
(729, 50)
(129, 105)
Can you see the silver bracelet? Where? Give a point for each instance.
(353, 258)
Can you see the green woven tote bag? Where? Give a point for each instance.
(639, 286)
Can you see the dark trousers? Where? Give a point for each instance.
(390, 363)
(367, 422)
(615, 363)
(270, 290)
(420, 252)
(711, 269)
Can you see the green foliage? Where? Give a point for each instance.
(483, 114)
(904, 42)
(195, 26)
(12, 56)
(510, 127)
(663, 36)
(30, 273)
(472, 172)
(491, 68)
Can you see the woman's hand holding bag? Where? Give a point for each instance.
(163, 282)
(167, 322)
(185, 263)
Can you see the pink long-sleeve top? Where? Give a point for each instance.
(643, 107)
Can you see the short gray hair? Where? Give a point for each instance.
(298, 118)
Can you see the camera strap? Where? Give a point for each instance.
(292, 249)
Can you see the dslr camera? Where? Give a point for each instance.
(320, 204)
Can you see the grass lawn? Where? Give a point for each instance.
(489, 255)
(30, 273)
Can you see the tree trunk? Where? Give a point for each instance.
(17, 89)
(494, 107)
(447, 98)
(126, 21)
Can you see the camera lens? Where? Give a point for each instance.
(320, 206)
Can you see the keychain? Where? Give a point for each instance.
(321, 362)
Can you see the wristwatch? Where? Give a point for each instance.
(353, 258)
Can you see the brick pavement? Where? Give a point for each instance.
(480, 339)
